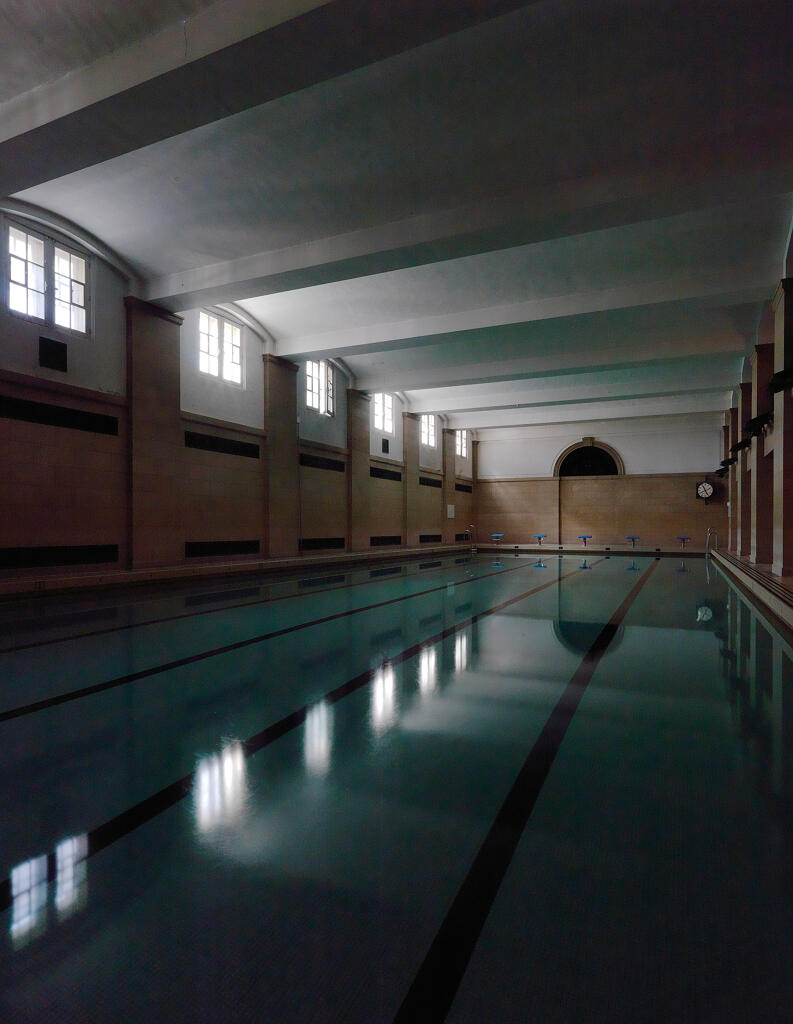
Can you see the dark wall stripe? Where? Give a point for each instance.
(430, 538)
(223, 445)
(380, 541)
(321, 462)
(430, 481)
(465, 488)
(430, 997)
(204, 548)
(57, 416)
(321, 543)
(430, 565)
(384, 474)
(111, 831)
(67, 554)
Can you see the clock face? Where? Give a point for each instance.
(705, 490)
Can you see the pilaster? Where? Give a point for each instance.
(761, 462)
(358, 475)
(783, 433)
(282, 468)
(156, 441)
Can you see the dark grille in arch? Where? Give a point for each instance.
(588, 461)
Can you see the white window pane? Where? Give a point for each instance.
(35, 250)
(17, 243)
(203, 362)
(203, 323)
(78, 269)
(62, 314)
(78, 294)
(213, 365)
(35, 277)
(18, 298)
(62, 289)
(78, 318)
(36, 304)
(17, 270)
(213, 327)
(62, 263)
(232, 373)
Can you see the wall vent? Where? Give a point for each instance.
(465, 488)
(205, 548)
(66, 554)
(321, 543)
(430, 538)
(57, 416)
(430, 481)
(384, 474)
(53, 355)
(380, 541)
(321, 462)
(224, 445)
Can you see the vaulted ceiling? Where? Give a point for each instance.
(514, 213)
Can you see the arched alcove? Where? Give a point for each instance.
(589, 459)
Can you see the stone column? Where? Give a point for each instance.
(411, 437)
(783, 432)
(156, 440)
(761, 461)
(449, 475)
(358, 531)
(282, 470)
(732, 481)
(744, 476)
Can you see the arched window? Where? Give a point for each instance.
(589, 459)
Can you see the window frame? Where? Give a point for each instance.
(429, 433)
(51, 241)
(461, 443)
(386, 411)
(321, 382)
(223, 322)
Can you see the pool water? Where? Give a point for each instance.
(475, 789)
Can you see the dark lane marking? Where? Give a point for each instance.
(116, 828)
(430, 997)
(191, 659)
(225, 608)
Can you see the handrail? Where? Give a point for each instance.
(714, 533)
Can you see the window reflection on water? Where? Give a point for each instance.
(383, 705)
(30, 889)
(461, 652)
(220, 788)
(29, 895)
(318, 738)
(70, 875)
(428, 670)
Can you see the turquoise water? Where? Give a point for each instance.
(488, 790)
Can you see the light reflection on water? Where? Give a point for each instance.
(461, 652)
(318, 738)
(383, 701)
(428, 670)
(220, 788)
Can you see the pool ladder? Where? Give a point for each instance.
(711, 533)
(472, 531)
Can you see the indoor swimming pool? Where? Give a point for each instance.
(472, 788)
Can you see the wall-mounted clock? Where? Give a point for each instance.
(705, 490)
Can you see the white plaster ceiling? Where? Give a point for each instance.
(42, 40)
(565, 211)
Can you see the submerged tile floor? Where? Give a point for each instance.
(465, 790)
